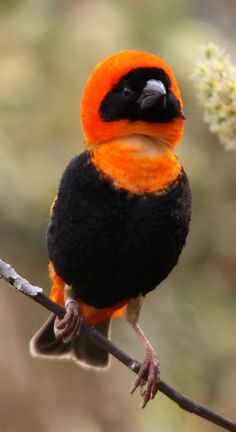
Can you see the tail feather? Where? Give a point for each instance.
(82, 349)
(44, 343)
(87, 352)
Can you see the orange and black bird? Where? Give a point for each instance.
(122, 212)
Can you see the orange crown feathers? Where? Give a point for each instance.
(105, 75)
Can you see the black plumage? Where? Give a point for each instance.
(110, 245)
(122, 101)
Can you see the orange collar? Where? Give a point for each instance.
(137, 163)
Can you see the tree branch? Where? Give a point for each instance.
(35, 293)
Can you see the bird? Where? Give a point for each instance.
(121, 216)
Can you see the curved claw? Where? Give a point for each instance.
(69, 326)
(149, 375)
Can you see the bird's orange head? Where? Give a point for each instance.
(130, 93)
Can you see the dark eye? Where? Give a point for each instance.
(127, 93)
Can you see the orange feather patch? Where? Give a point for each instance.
(137, 164)
(57, 289)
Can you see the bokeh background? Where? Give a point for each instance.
(47, 50)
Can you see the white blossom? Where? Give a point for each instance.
(215, 81)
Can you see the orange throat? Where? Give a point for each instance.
(137, 163)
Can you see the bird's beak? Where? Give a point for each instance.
(153, 94)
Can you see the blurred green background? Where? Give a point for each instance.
(47, 50)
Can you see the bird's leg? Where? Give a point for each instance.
(149, 373)
(150, 369)
(70, 325)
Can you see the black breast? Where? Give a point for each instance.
(110, 245)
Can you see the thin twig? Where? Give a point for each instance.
(35, 293)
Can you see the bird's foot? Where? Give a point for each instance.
(70, 325)
(148, 379)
